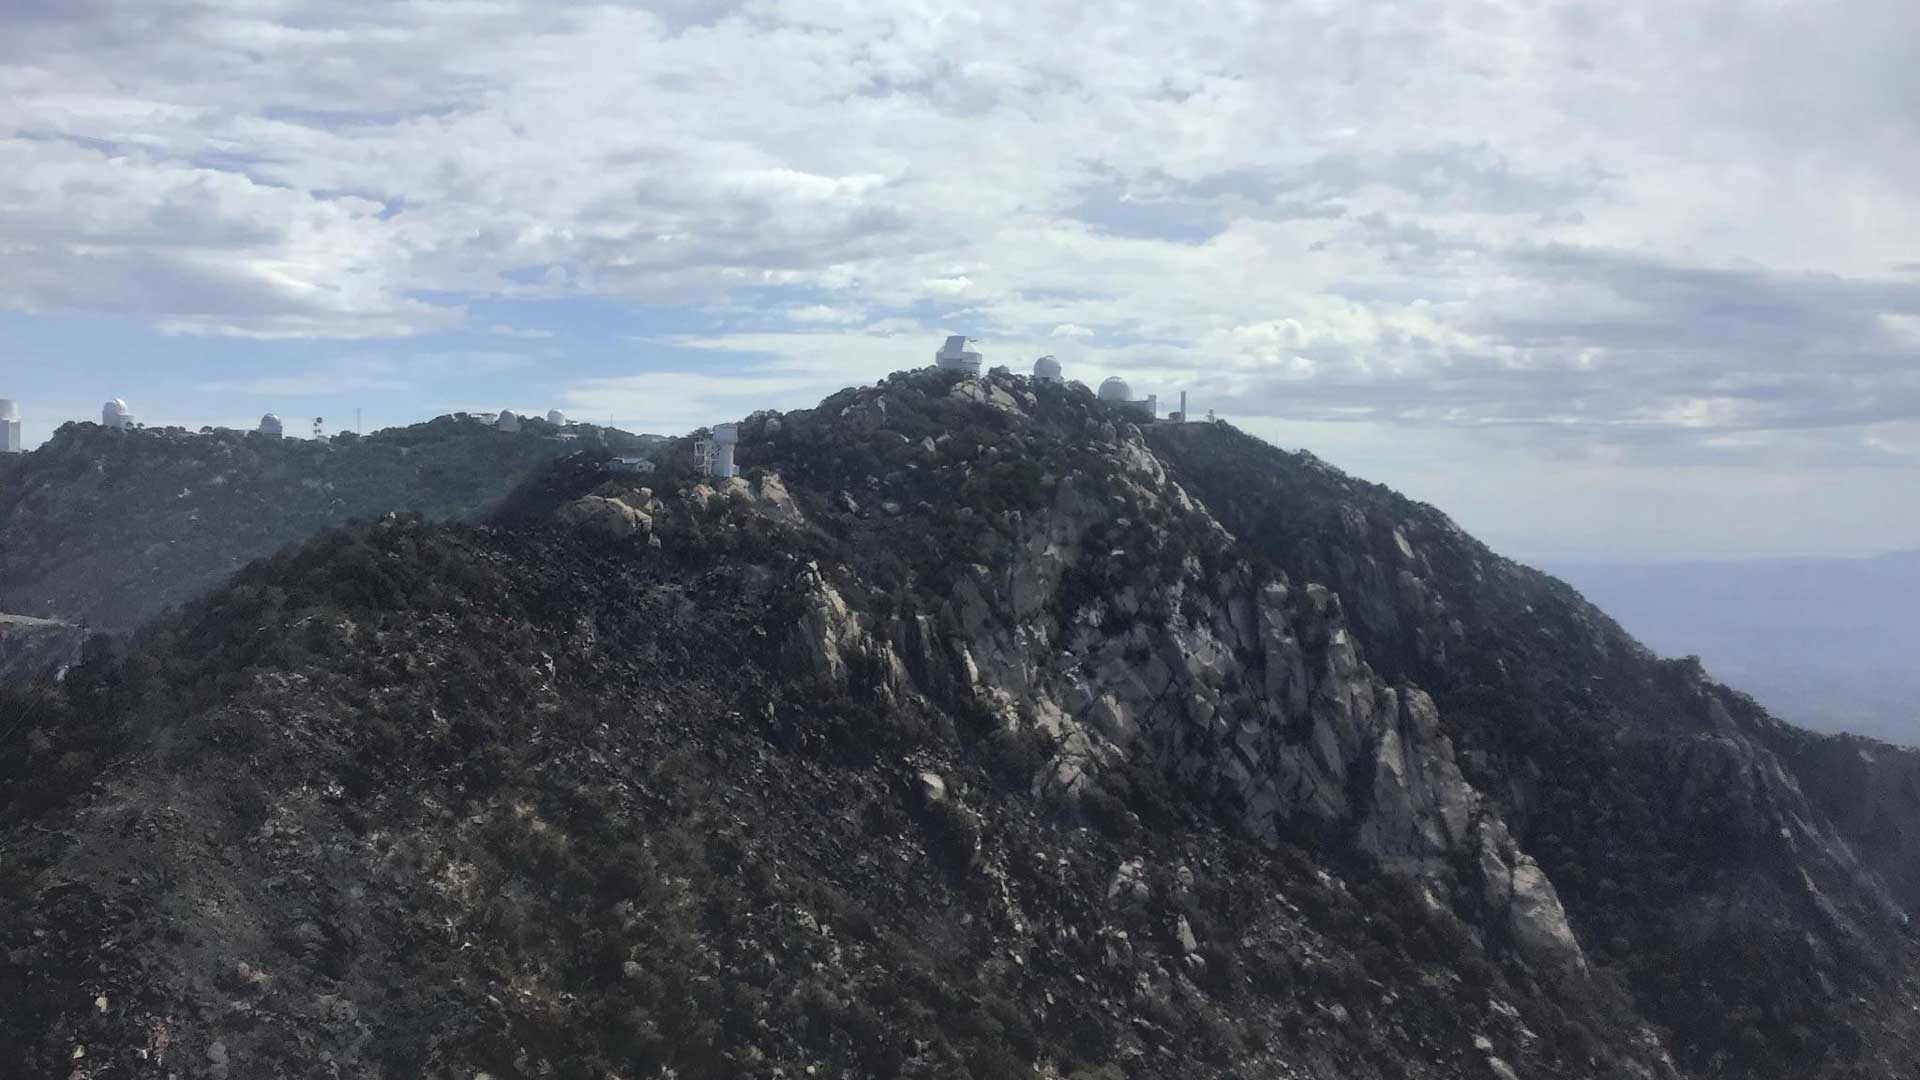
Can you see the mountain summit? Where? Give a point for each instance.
(973, 730)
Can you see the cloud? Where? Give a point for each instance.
(1640, 230)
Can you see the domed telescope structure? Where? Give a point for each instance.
(1046, 370)
(507, 421)
(271, 426)
(114, 415)
(10, 428)
(1116, 394)
(556, 418)
(956, 356)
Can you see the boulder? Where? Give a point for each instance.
(610, 516)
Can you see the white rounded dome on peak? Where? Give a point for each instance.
(556, 418)
(1115, 389)
(8, 410)
(1046, 369)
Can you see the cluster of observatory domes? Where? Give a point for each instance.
(960, 353)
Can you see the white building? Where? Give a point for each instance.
(956, 356)
(630, 465)
(556, 418)
(1115, 393)
(114, 415)
(725, 438)
(1046, 370)
(10, 428)
(507, 421)
(271, 426)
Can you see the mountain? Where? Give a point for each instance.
(1824, 642)
(111, 527)
(974, 731)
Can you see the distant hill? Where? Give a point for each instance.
(110, 527)
(1829, 643)
(974, 731)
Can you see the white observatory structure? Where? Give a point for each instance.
(10, 428)
(507, 421)
(1046, 370)
(725, 438)
(1115, 393)
(271, 427)
(955, 355)
(556, 418)
(714, 454)
(114, 415)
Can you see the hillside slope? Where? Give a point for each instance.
(974, 732)
(1668, 809)
(111, 527)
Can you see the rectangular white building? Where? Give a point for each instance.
(10, 440)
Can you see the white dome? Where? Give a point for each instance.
(556, 418)
(271, 425)
(1116, 389)
(1046, 369)
(507, 421)
(8, 410)
(116, 407)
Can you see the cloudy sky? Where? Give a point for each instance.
(1609, 277)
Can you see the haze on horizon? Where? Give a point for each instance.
(1603, 281)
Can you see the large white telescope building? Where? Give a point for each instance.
(956, 355)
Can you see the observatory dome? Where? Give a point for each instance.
(556, 418)
(270, 425)
(1116, 389)
(1046, 369)
(114, 414)
(507, 421)
(8, 410)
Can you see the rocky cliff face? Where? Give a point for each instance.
(973, 731)
(1249, 692)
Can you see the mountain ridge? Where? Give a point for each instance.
(1225, 756)
(110, 527)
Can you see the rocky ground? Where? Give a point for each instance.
(972, 732)
(33, 649)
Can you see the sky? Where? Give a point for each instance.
(1633, 279)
